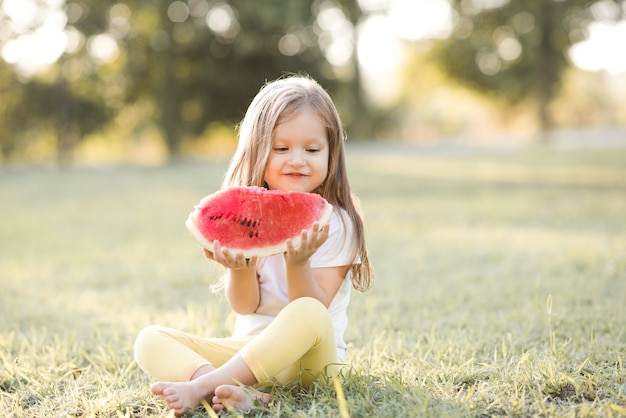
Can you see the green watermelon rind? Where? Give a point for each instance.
(265, 251)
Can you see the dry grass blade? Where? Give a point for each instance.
(341, 399)
(618, 409)
(209, 409)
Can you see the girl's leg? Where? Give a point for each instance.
(182, 396)
(298, 344)
(172, 355)
(176, 356)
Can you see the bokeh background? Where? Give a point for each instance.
(147, 81)
(486, 142)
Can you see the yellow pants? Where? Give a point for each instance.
(299, 345)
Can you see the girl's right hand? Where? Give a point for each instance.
(229, 260)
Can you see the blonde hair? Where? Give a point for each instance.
(277, 101)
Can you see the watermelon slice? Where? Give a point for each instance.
(254, 220)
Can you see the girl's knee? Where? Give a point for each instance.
(310, 306)
(146, 340)
(148, 334)
(310, 311)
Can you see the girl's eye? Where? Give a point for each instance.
(312, 150)
(280, 149)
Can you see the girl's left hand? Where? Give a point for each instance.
(310, 241)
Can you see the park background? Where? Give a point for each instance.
(486, 141)
(147, 81)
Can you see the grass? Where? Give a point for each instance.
(501, 280)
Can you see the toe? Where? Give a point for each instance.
(172, 398)
(224, 391)
(157, 388)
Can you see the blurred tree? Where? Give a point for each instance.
(184, 63)
(30, 111)
(203, 61)
(60, 99)
(516, 49)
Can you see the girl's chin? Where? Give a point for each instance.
(291, 187)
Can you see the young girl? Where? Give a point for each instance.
(292, 307)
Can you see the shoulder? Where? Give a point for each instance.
(341, 219)
(341, 227)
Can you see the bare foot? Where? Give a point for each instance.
(180, 397)
(239, 398)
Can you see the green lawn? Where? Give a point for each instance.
(501, 285)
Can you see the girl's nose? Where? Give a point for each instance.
(297, 158)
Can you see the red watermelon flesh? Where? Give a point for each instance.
(254, 220)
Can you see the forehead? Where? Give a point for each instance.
(299, 116)
(302, 127)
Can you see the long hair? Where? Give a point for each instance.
(278, 101)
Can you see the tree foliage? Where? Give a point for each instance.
(517, 49)
(187, 63)
(52, 103)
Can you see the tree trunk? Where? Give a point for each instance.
(62, 115)
(169, 106)
(169, 91)
(547, 71)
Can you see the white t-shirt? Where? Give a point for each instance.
(338, 250)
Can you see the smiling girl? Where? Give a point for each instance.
(291, 308)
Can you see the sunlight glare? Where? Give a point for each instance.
(416, 20)
(488, 4)
(336, 39)
(39, 38)
(509, 49)
(178, 11)
(603, 50)
(103, 47)
(380, 48)
(289, 45)
(75, 40)
(374, 5)
(29, 53)
(220, 18)
(380, 54)
(21, 12)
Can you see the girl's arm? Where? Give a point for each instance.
(242, 285)
(242, 290)
(319, 283)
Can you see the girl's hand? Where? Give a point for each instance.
(228, 259)
(311, 240)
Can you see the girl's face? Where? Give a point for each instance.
(299, 156)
